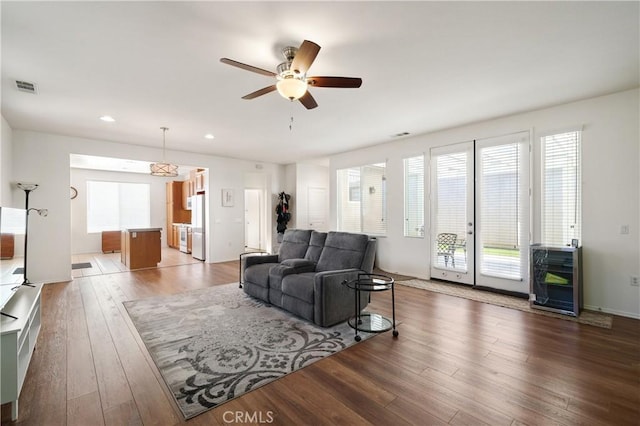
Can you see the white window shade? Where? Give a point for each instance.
(348, 203)
(561, 217)
(501, 195)
(414, 196)
(362, 206)
(450, 196)
(112, 206)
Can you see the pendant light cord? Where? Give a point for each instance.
(164, 132)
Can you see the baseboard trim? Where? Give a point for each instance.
(633, 315)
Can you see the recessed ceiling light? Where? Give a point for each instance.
(209, 136)
(107, 118)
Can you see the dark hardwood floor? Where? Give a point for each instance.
(456, 361)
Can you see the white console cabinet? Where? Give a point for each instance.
(18, 341)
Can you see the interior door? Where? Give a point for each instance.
(317, 208)
(480, 212)
(452, 213)
(252, 218)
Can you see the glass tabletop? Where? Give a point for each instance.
(371, 282)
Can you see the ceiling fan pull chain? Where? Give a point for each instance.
(291, 118)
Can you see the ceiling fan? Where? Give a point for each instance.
(292, 81)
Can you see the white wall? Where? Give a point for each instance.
(611, 191)
(6, 161)
(44, 159)
(83, 242)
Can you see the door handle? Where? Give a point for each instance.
(469, 232)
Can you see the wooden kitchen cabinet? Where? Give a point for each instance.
(175, 230)
(186, 193)
(196, 179)
(175, 211)
(199, 181)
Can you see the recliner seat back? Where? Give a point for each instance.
(294, 244)
(342, 250)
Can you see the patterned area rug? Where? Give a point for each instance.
(214, 344)
(586, 317)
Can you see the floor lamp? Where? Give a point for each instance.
(28, 188)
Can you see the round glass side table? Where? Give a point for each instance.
(368, 321)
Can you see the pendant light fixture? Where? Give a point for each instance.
(164, 169)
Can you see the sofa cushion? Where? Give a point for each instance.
(342, 250)
(294, 244)
(299, 286)
(279, 271)
(316, 244)
(259, 274)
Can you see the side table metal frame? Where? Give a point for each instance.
(372, 283)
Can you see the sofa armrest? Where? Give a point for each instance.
(250, 260)
(253, 258)
(333, 300)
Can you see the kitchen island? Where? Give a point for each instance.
(140, 247)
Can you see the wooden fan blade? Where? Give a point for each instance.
(305, 56)
(260, 92)
(247, 67)
(340, 82)
(308, 101)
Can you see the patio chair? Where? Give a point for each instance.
(446, 244)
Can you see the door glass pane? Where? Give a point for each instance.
(500, 211)
(449, 245)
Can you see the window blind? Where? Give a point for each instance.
(451, 196)
(414, 196)
(362, 206)
(500, 210)
(561, 190)
(112, 206)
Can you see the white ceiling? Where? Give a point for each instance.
(425, 66)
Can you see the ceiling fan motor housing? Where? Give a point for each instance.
(289, 53)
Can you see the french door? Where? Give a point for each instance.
(480, 212)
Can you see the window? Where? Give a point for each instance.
(414, 196)
(561, 194)
(354, 184)
(362, 201)
(112, 206)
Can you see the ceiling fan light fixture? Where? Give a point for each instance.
(163, 168)
(291, 88)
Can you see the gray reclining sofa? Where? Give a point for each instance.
(306, 276)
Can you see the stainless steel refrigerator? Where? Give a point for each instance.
(197, 227)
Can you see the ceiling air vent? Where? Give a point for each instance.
(25, 86)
